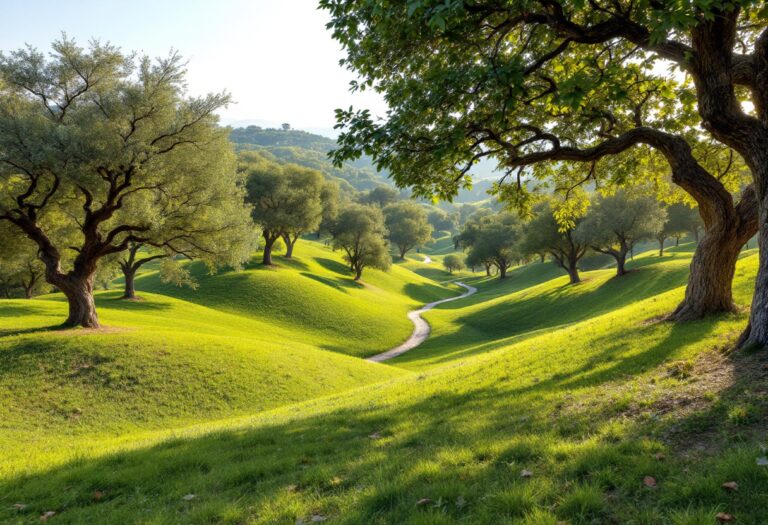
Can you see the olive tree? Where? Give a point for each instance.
(287, 199)
(360, 232)
(567, 244)
(20, 268)
(615, 223)
(407, 225)
(492, 240)
(453, 262)
(100, 149)
(537, 85)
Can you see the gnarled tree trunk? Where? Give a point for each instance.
(290, 242)
(78, 290)
(727, 229)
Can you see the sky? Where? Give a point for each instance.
(275, 57)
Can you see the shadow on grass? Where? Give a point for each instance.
(333, 266)
(463, 450)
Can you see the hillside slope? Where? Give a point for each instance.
(243, 342)
(607, 415)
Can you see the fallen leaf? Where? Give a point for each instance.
(731, 485)
(19, 506)
(762, 462)
(98, 495)
(525, 473)
(649, 481)
(47, 515)
(660, 456)
(189, 497)
(336, 481)
(722, 517)
(317, 518)
(423, 501)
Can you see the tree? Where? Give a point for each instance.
(616, 222)
(20, 269)
(329, 197)
(360, 232)
(493, 240)
(453, 262)
(287, 200)
(380, 196)
(104, 149)
(540, 85)
(407, 225)
(566, 244)
(442, 220)
(683, 219)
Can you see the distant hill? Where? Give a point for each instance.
(311, 150)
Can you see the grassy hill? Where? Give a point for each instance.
(533, 402)
(243, 342)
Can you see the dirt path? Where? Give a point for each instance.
(420, 327)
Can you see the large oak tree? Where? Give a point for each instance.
(539, 84)
(100, 149)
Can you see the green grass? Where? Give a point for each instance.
(582, 386)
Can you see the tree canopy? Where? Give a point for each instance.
(288, 200)
(571, 92)
(99, 149)
(615, 223)
(360, 232)
(407, 224)
(566, 244)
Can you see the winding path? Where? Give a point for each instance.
(421, 328)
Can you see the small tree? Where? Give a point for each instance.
(99, 149)
(381, 196)
(287, 200)
(20, 269)
(616, 222)
(566, 244)
(453, 262)
(360, 232)
(498, 242)
(407, 224)
(442, 220)
(682, 219)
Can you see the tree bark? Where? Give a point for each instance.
(290, 242)
(269, 242)
(573, 272)
(129, 275)
(502, 271)
(82, 308)
(661, 247)
(756, 333)
(710, 282)
(358, 273)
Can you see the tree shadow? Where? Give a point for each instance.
(333, 266)
(339, 284)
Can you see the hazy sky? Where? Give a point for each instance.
(274, 56)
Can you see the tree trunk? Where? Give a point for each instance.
(677, 242)
(79, 294)
(621, 260)
(756, 333)
(502, 271)
(403, 251)
(289, 244)
(130, 289)
(269, 242)
(573, 271)
(487, 270)
(709, 289)
(661, 247)
(358, 273)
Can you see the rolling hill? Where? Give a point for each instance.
(533, 402)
